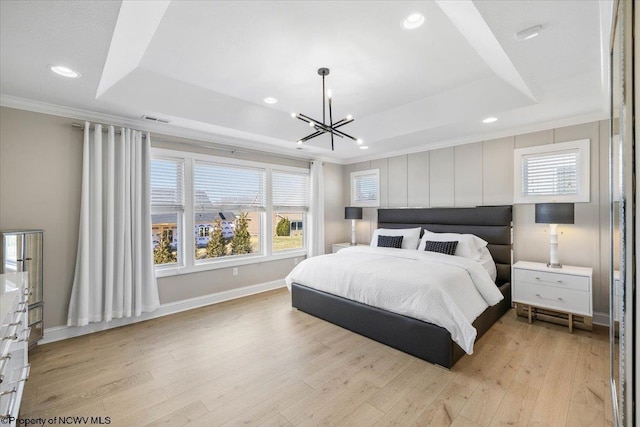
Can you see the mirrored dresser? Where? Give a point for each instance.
(21, 251)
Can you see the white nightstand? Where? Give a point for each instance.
(337, 246)
(559, 295)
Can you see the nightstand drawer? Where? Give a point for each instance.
(559, 280)
(555, 298)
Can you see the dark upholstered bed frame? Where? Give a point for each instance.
(421, 339)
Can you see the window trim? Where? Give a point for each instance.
(583, 172)
(189, 264)
(354, 176)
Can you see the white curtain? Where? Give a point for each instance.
(316, 210)
(114, 274)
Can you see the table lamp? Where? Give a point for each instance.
(353, 213)
(554, 214)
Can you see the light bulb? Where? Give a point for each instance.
(329, 93)
(294, 115)
(490, 120)
(300, 142)
(311, 124)
(359, 141)
(349, 117)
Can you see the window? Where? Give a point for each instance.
(290, 201)
(552, 173)
(229, 204)
(365, 188)
(210, 212)
(167, 209)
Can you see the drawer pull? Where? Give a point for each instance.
(28, 291)
(10, 407)
(14, 323)
(26, 338)
(6, 357)
(26, 370)
(4, 393)
(10, 337)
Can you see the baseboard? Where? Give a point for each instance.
(601, 319)
(58, 333)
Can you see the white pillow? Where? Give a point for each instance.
(469, 246)
(486, 261)
(409, 241)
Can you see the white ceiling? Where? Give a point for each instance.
(207, 66)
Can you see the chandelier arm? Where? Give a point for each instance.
(341, 134)
(319, 125)
(341, 123)
(308, 119)
(311, 136)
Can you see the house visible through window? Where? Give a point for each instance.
(290, 193)
(229, 202)
(226, 209)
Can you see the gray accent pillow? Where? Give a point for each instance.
(448, 248)
(390, 241)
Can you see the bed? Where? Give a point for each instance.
(420, 338)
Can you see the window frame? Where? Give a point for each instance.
(583, 172)
(187, 248)
(354, 176)
(177, 210)
(303, 210)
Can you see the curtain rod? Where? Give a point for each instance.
(105, 128)
(208, 146)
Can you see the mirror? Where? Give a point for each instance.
(622, 216)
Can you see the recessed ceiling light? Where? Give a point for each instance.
(364, 147)
(529, 33)
(64, 71)
(413, 21)
(489, 120)
(270, 100)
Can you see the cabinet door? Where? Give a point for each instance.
(32, 253)
(11, 253)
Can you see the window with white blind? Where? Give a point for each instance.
(213, 212)
(167, 209)
(229, 201)
(290, 202)
(552, 173)
(365, 188)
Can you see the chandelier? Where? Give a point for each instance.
(321, 127)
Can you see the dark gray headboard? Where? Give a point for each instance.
(491, 223)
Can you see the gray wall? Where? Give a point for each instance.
(482, 174)
(40, 183)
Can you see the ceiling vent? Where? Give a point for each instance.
(155, 119)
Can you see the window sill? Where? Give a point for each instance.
(217, 265)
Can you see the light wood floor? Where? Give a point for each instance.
(258, 361)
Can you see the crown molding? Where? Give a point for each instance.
(161, 129)
(519, 130)
(227, 142)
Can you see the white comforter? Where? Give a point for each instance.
(448, 291)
